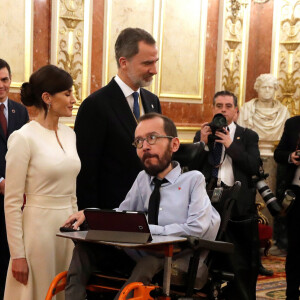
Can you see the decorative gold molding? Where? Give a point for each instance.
(157, 16)
(233, 47)
(71, 35)
(186, 134)
(286, 53)
(109, 38)
(176, 97)
(28, 41)
(187, 128)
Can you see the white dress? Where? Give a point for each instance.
(46, 173)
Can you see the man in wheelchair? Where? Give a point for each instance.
(176, 204)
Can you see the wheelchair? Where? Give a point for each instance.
(217, 278)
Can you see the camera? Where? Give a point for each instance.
(288, 200)
(217, 124)
(272, 203)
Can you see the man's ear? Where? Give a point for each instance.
(175, 144)
(123, 62)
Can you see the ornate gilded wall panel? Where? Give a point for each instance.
(119, 15)
(182, 49)
(179, 28)
(286, 52)
(16, 19)
(232, 47)
(70, 43)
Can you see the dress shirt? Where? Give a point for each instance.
(5, 111)
(225, 170)
(127, 91)
(185, 208)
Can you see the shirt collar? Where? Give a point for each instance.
(173, 174)
(127, 91)
(5, 102)
(232, 126)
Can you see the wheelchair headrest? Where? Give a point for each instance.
(187, 153)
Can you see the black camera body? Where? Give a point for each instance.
(217, 124)
(269, 198)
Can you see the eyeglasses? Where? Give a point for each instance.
(151, 140)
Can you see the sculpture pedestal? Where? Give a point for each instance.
(266, 148)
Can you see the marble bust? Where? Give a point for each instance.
(264, 114)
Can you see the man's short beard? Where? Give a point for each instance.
(163, 163)
(139, 81)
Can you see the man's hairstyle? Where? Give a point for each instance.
(265, 77)
(169, 126)
(4, 64)
(225, 93)
(127, 43)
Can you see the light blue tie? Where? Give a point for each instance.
(136, 107)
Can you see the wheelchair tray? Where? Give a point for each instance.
(115, 226)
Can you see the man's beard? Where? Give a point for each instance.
(140, 82)
(163, 163)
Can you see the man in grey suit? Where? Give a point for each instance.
(107, 119)
(12, 117)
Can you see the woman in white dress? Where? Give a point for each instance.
(43, 164)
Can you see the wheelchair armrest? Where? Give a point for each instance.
(199, 243)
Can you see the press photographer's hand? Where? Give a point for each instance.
(295, 159)
(205, 132)
(224, 138)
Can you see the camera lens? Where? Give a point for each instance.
(268, 197)
(219, 121)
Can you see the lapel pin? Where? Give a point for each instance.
(152, 106)
(13, 111)
(238, 138)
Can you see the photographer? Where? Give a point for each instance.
(238, 160)
(287, 154)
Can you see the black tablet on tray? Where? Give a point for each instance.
(116, 226)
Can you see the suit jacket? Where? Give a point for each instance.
(245, 156)
(288, 144)
(17, 117)
(105, 129)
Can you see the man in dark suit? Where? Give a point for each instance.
(286, 154)
(12, 117)
(238, 161)
(107, 119)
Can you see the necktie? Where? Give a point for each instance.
(3, 121)
(136, 107)
(154, 201)
(217, 153)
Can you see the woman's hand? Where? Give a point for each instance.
(75, 220)
(20, 270)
